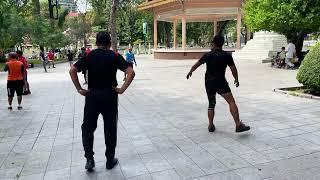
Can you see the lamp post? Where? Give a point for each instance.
(145, 30)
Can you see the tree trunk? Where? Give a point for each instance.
(85, 42)
(113, 25)
(36, 7)
(76, 44)
(299, 46)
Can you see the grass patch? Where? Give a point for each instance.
(295, 91)
(34, 61)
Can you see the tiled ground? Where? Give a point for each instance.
(163, 129)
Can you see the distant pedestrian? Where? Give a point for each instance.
(291, 53)
(15, 81)
(102, 96)
(130, 58)
(88, 50)
(70, 57)
(51, 58)
(82, 53)
(43, 58)
(21, 58)
(217, 61)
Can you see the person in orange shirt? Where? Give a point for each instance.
(15, 81)
(21, 58)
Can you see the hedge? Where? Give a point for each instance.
(309, 71)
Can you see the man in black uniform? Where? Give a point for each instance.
(217, 61)
(102, 96)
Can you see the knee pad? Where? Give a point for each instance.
(212, 104)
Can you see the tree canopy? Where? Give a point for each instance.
(292, 18)
(283, 16)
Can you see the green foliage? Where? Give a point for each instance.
(79, 27)
(17, 24)
(309, 71)
(2, 58)
(138, 41)
(285, 17)
(62, 18)
(13, 27)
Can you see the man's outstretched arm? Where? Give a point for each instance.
(193, 68)
(235, 75)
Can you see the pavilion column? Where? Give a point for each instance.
(184, 32)
(155, 31)
(215, 28)
(175, 34)
(239, 29)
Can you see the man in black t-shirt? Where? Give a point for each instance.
(217, 61)
(102, 95)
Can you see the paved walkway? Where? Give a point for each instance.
(163, 129)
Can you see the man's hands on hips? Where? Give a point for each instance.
(189, 75)
(83, 92)
(119, 90)
(236, 82)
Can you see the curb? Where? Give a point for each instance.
(302, 95)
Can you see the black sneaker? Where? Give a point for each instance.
(10, 108)
(211, 128)
(242, 127)
(110, 165)
(90, 164)
(19, 107)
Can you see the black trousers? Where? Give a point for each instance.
(105, 102)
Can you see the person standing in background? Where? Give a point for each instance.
(43, 58)
(51, 58)
(70, 57)
(21, 58)
(15, 81)
(88, 50)
(130, 58)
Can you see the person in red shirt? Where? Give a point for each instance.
(51, 58)
(15, 81)
(88, 51)
(21, 58)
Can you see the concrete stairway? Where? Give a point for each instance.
(258, 48)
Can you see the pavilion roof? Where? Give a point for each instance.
(193, 10)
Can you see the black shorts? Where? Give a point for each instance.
(214, 87)
(15, 86)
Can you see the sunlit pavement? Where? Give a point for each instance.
(162, 130)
